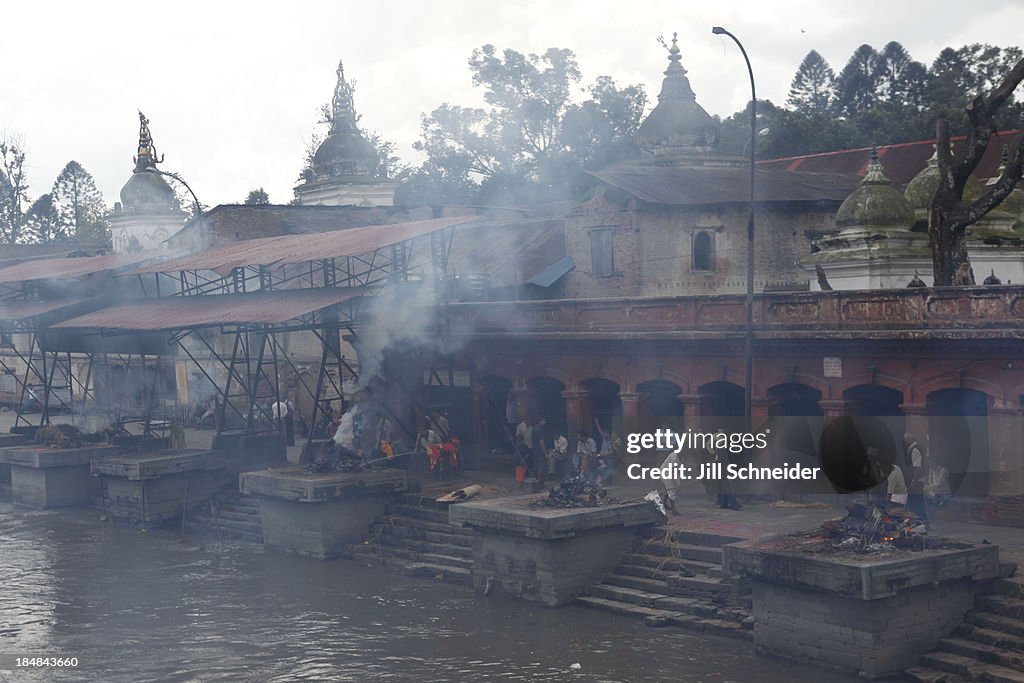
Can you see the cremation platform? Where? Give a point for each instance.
(150, 488)
(44, 477)
(547, 555)
(320, 515)
(872, 613)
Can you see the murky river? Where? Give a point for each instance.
(135, 606)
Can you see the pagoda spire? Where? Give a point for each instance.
(343, 110)
(146, 156)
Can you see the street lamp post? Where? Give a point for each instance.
(748, 348)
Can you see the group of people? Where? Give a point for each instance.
(544, 453)
(267, 415)
(437, 449)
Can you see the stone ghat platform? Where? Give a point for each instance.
(43, 477)
(320, 515)
(150, 488)
(873, 613)
(547, 555)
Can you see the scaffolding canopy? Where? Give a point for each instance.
(191, 312)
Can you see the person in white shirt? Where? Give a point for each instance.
(586, 448)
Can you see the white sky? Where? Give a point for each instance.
(232, 90)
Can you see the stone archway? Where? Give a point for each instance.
(549, 402)
(959, 441)
(662, 398)
(603, 395)
(496, 428)
(798, 424)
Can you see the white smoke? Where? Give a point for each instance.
(402, 315)
(346, 434)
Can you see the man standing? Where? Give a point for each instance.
(917, 471)
(586, 449)
(542, 452)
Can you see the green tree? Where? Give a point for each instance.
(813, 86)
(80, 206)
(532, 142)
(13, 189)
(856, 86)
(257, 196)
(899, 80)
(43, 224)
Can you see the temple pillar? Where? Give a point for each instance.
(577, 411)
(691, 409)
(1005, 450)
(634, 405)
(916, 415)
(834, 408)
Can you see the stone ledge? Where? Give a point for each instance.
(861, 577)
(41, 457)
(295, 484)
(513, 515)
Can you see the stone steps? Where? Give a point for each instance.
(971, 669)
(415, 537)
(987, 636)
(996, 622)
(681, 551)
(230, 516)
(675, 578)
(984, 653)
(988, 647)
(1002, 605)
(672, 564)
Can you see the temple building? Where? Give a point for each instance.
(148, 212)
(345, 170)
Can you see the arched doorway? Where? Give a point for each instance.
(721, 403)
(549, 402)
(662, 398)
(497, 433)
(959, 441)
(604, 404)
(798, 424)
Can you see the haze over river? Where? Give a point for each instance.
(148, 606)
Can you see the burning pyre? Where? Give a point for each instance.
(876, 527)
(574, 493)
(340, 460)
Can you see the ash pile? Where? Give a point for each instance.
(574, 493)
(336, 460)
(68, 436)
(871, 528)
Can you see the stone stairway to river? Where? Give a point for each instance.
(988, 647)
(675, 578)
(228, 516)
(414, 535)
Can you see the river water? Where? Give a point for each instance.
(149, 606)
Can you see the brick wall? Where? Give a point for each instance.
(654, 247)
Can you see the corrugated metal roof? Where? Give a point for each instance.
(67, 268)
(553, 273)
(287, 249)
(901, 162)
(700, 185)
(19, 311)
(186, 312)
(509, 251)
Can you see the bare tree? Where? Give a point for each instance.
(949, 216)
(13, 189)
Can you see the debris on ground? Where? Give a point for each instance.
(574, 493)
(876, 527)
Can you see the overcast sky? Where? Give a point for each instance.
(232, 90)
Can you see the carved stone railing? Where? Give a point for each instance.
(953, 312)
